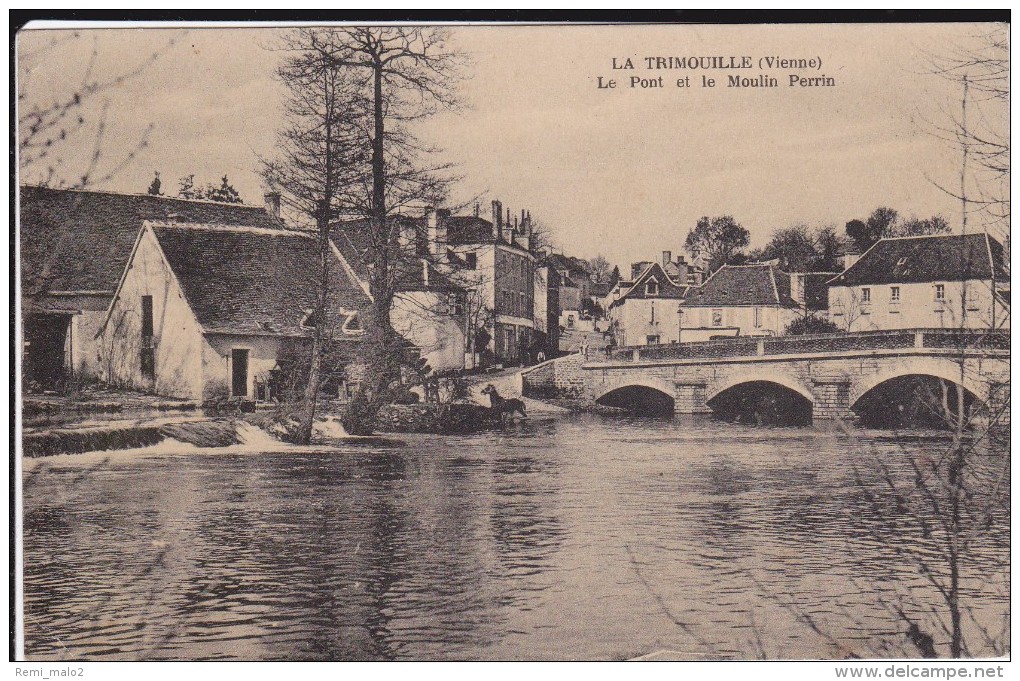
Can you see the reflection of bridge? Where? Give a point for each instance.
(831, 373)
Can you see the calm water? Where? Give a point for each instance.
(571, 538)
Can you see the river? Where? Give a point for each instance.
(577, 537)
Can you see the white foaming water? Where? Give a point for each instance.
(331, 428)
(253, 437)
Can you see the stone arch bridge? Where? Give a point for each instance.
(831, 372)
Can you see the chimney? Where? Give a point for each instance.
(272, 200)
(637, 268)
(667, 257)
(478, 209)
(435, 226)
(497, 219)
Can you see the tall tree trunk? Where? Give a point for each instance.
(381, 346)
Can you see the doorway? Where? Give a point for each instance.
(239, 372)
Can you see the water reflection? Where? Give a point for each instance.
(574, 538)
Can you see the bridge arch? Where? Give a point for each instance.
(646, 395)
(759, 376)
(914, 366)
(761, 396)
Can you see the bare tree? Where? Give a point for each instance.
(318, 167)
(979, 128)
(54, 126)
(403, 75)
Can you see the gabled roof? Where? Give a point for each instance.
(638, 289)
(254, 281)
(467, 229)
(945, 257)
(353, 240)
(76, 240)
(735, 285)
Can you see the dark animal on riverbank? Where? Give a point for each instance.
(503, 407)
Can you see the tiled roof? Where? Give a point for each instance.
(353, 240)
(950, 257)
(667, 289)
(732, 285)
(467, 229)
(75, 240)
(254, 281)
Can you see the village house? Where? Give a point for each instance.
(645, 313)
(429, 309)
(216, 311)
(939, 281)
(738, 300)
(75, 245)
(495, 260)
(547, 307)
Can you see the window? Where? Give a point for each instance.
(147, 316)
(472, 261)
(570, 321)
(652, 288)
(455, 304)
(865, 295)
(894, 294)
(716, 317)
(757, 317)
(652, 340)
(940, 292)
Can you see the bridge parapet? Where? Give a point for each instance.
(748, 346)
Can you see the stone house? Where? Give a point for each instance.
(495, 260)
(738, 300)
(207, 311)
(74, 247)
(938, 281)
(429, 308)
(645, 313)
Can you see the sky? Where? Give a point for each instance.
(622, 172)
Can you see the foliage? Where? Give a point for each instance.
(716, 240)
(598, 269)
(224, 193)
(801, 249)
(914, 226)
(810, 324)
(885, 223)
(592, 309)
(614, 277)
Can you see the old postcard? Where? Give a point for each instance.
(513, 342)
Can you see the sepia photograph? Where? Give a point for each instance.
(495, 341)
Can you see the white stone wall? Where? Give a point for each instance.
(422, 318)
(177, 336)
(263, 352)
(635, 321)
(736, 321)
(917, 307)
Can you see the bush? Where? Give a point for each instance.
(803, 326)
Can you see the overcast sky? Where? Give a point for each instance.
(620, 172)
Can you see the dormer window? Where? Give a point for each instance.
(352, 325)
(901, 262)
(652, 288)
